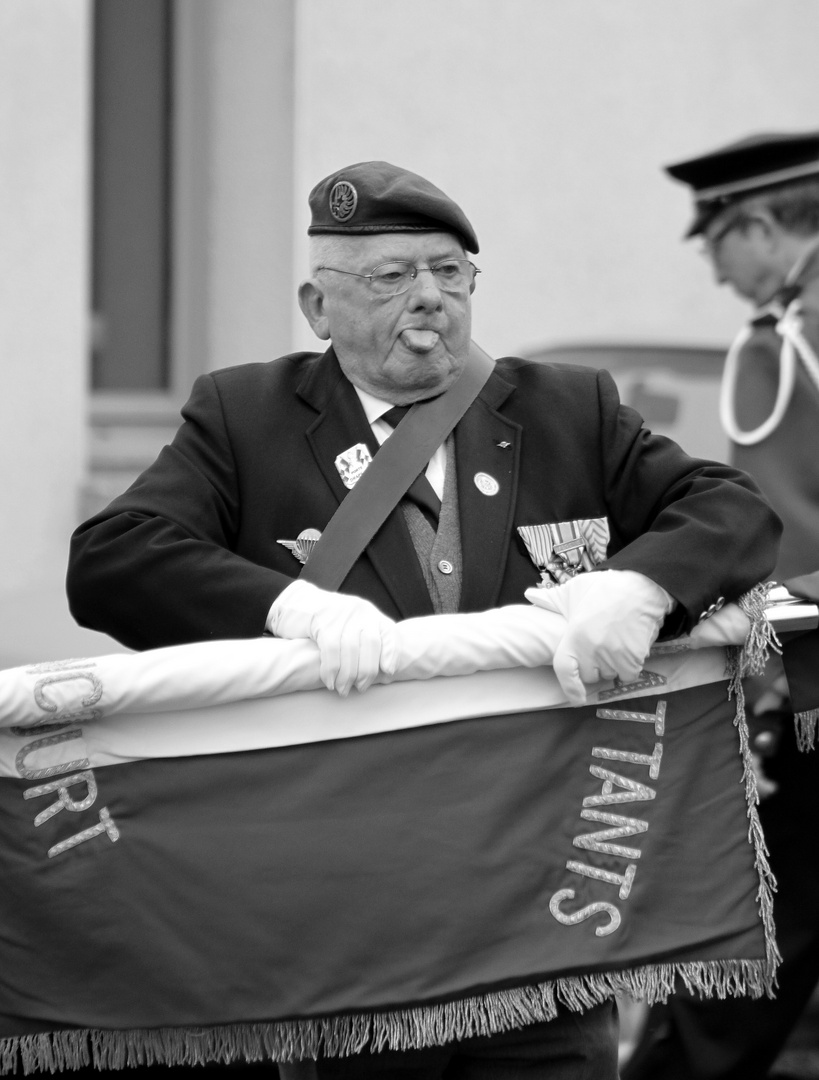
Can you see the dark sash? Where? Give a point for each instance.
(399, 461)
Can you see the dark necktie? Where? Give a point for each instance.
(420, 490)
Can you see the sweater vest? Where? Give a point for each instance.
(439, 552)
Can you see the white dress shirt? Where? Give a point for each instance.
(374, 409)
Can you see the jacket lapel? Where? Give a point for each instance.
(340, 422)
(339, 425)
(487, 454)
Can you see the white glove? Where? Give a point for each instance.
(514, 636)
(728, 626)
(356, 641)
(613, 618)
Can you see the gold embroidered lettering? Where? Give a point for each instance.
(645, 680)
(82, 706)
(651, 760)
(47, 724)
(625, 881)
(53, 770)
(106, 825)
(584, 913)
(657, 719)
(615, 789)
(64, 800)
(634, 792)
(621, 827)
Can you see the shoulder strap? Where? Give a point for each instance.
(402, 457)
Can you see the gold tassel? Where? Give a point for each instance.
(806, 724)
(761, 639)
(750, 659)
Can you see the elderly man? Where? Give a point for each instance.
(544, 475)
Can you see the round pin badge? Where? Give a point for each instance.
(343, 200)
(486, 484)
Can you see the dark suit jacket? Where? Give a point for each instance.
(785, 464)
(190, 551)
(800, 651)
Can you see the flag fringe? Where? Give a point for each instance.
(750, 659)
(754, 655)
(401, 1029)
(806, 724)
(761, 639)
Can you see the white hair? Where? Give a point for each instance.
(328, 249)
(332, 249)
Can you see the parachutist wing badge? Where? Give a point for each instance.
(301, 547)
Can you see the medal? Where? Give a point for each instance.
(564, 549)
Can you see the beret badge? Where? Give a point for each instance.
(343, 200)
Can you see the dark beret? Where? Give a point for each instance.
(744, 168)
(376, 197)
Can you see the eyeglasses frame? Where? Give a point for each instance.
(415, 271)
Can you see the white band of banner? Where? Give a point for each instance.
(169, 717)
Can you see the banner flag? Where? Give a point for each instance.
(285, 872)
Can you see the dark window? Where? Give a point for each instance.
(131, 194)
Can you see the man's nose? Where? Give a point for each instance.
(716, 268)
(424, 289)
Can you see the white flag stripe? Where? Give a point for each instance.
(318, 715)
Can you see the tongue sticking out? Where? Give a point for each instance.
(420, 341)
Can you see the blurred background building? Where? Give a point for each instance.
(157, 154)
(155, 160)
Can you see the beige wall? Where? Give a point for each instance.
(232, 269)
(234, 177)
(44, 131)
(44, 53)
(549, 121)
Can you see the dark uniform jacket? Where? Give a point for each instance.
(786, 463)
(800, 651)
(191, 550)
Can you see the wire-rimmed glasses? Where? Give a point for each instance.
(394, 278)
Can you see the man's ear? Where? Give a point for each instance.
(311, 302)
(766, 225)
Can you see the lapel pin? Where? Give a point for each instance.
(504, 445)
(486, 484)
(352, 463)
(301, 547)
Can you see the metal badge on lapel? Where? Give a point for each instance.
(566, 548)
(301, 547)
(486, 484)
(352, 463)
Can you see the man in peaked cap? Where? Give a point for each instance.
(210, 541)
(725, 177)
(756, 211)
